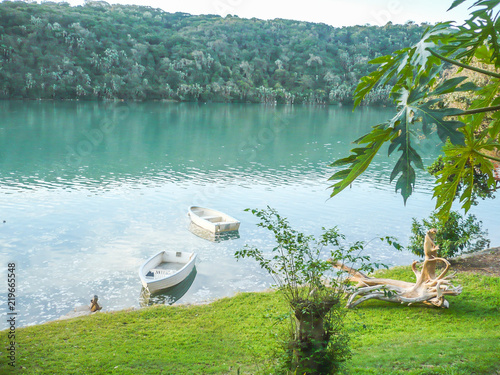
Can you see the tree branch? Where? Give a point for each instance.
(488, 156)
(465, 66)
(480, 110)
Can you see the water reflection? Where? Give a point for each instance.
(107, 145)
(214, 237)
(167, 296)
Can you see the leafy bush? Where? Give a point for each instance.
(454, 236)
(318, 342)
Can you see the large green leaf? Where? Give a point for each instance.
(446, 129)
(390, 66)
(482, 28)
(406, 182)
(489, 4)
(456, 3)
(361, 157)
(451, 85)
(460, 164)
(413, 109)
(402, 124)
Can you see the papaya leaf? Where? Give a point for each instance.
(483, 54)
(402, 142)
(449, 179)
(448, 86)
(412, 106)
(455, 4)
(489, 4)
(461, 162)
(481, 29)
(487, 95)
(467, 86)
(406, 182)
(365, 85)
(445, 128)
(361, 158)
(494, 126)
(421, 57)
(390, 66)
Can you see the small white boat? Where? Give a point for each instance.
(167, 296)
(212, 220)
(166, 269)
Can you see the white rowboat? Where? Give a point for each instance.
(212, 220)
(166, 269)
(167, 296)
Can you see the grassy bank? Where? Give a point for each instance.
(236, 335)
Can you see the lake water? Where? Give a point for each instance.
(88, 191)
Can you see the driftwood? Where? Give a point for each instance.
(427, 289)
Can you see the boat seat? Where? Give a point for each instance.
(213, 219)
(159, 273)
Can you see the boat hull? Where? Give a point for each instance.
(213, 220)
(161, 280)
(211, 236)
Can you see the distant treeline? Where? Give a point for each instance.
(102, 51)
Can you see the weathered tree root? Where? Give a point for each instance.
(428, 290)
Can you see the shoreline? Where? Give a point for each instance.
(486, 261)
(456, 263)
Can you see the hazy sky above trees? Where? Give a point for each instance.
(331, 12)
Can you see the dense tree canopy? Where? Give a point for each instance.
(53, 50)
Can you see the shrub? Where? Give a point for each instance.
(454, 236)
(318, 342)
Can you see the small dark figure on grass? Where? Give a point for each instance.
(94, 306)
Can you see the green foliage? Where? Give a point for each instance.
(102, 51)
(233, 336)
(461, 164)
(454, 236)
(299, 265)
(418, 89)
(361, 158)
(480, 182)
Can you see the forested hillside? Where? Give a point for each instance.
(97, 51)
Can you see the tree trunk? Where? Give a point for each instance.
(311, 338)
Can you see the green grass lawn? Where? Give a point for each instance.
(236, 335)
(397, 339)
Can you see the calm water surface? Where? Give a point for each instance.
(88, 191)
